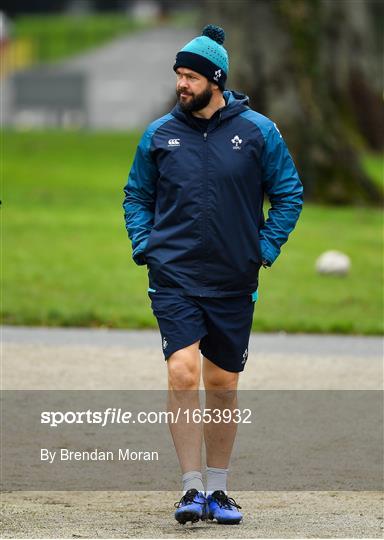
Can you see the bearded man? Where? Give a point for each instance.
(194, 213)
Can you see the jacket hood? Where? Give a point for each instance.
(236, 103)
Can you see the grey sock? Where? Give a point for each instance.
(216, 480)
(192, 480)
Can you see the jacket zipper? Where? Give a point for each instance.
(205, 194)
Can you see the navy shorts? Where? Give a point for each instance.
(222, 325)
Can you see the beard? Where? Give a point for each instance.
(198, 101)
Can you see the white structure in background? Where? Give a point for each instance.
(79, 7)
(127, 83)
(333, 262)
(144, 10)
(4, 27)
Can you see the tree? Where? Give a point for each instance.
(314, 66)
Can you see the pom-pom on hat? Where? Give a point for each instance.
(205, 54)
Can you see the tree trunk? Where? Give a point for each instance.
(314, 67)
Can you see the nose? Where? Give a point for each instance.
(182, 84)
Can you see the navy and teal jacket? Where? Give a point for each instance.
(194, 200)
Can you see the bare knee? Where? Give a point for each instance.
(184, 369)
(220, 385)
(182, 376)
(221, 398)
(217, 379)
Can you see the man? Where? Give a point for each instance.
(193, 211)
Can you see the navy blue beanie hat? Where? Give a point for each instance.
(206, 55)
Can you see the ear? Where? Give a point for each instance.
(214, 86)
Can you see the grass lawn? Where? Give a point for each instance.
(67, 259)
(54, 37)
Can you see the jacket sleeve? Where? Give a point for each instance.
(139, 201)
(282, 184)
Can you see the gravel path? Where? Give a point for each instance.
(110, 359)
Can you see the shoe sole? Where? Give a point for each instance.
(229, 522)
(188, 516)
(226, 521)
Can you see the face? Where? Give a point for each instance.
(194, 91)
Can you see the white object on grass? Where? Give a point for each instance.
(333, 262)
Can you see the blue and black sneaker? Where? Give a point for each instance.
(191, 507)
(223, 508)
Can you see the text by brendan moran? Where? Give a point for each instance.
(121, 454)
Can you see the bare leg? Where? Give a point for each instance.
(221, 393)
(184, 370)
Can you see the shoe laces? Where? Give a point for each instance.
(189, 497)
(224, 501)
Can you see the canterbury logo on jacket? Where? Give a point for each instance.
(194, 200)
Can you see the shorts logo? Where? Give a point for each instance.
(245, 356)
(236, 141)
(174, 142)
(165, 344)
